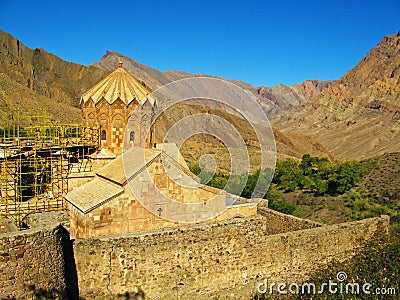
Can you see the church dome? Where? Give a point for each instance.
(117, 85)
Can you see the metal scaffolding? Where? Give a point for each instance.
(36, 162)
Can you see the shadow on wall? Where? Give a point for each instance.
(71, 275)
(45, 294)
(138, 295)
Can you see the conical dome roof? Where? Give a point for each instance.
(118, 85)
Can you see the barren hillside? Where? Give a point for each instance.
(273, 100)
(359, 115)
(36, 79)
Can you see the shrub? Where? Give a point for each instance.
(318, 175)
(382, 270)
(360, 207)
(288, 175)
(282, 206)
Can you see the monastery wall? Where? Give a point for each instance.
(32, 262)
(227, 259)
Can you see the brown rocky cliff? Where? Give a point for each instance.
(273, 100)
(45, 73)
(31, 80)
(311, 88)
(357, 116)
(378, 71)
(374, 82)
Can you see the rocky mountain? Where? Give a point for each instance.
(199, 144)
(35, 82)
(270, 98)
(17, 99)
(273, 100)
(357, 116)
(55, 82)
(150, 77)
(35, 79)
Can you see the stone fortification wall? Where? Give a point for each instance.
(32, 261)
(224, 259)
(227, 259)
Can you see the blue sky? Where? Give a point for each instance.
(260, 42)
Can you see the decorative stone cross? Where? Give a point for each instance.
(159, 211)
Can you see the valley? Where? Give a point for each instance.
(337, 149)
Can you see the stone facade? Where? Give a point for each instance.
(109, 105)
(226, 259)
(120, 215)
(221, 260)
(107, 204)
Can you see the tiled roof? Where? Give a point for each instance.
(118, 85)
(110, 179)
(93, 194)
(117, 172)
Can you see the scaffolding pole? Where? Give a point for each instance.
(35, 164)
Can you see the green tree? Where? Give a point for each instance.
(259, 179)
(306, 165)
(323, 165)
(288, 175)
(320, 186)
(345, 176)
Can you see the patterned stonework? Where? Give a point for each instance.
(110, 103)
(108, 204)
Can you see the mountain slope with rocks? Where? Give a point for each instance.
(273, 100)
(357, 116)
(33, 80)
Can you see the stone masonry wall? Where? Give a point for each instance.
(278, 221)
(32, 263)
(225, 259)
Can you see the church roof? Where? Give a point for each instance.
(110, 180)
(117, 85)
(115, 171)
(93, 194)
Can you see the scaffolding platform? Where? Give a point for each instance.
(35, 163)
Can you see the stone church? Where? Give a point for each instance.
(108, 203)
(110, 103)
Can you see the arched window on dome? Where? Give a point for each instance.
(132, 136)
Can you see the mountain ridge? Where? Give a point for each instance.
(35, 82)
(44, 72)
(272, 99)
(355, 116)
(358, 116)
